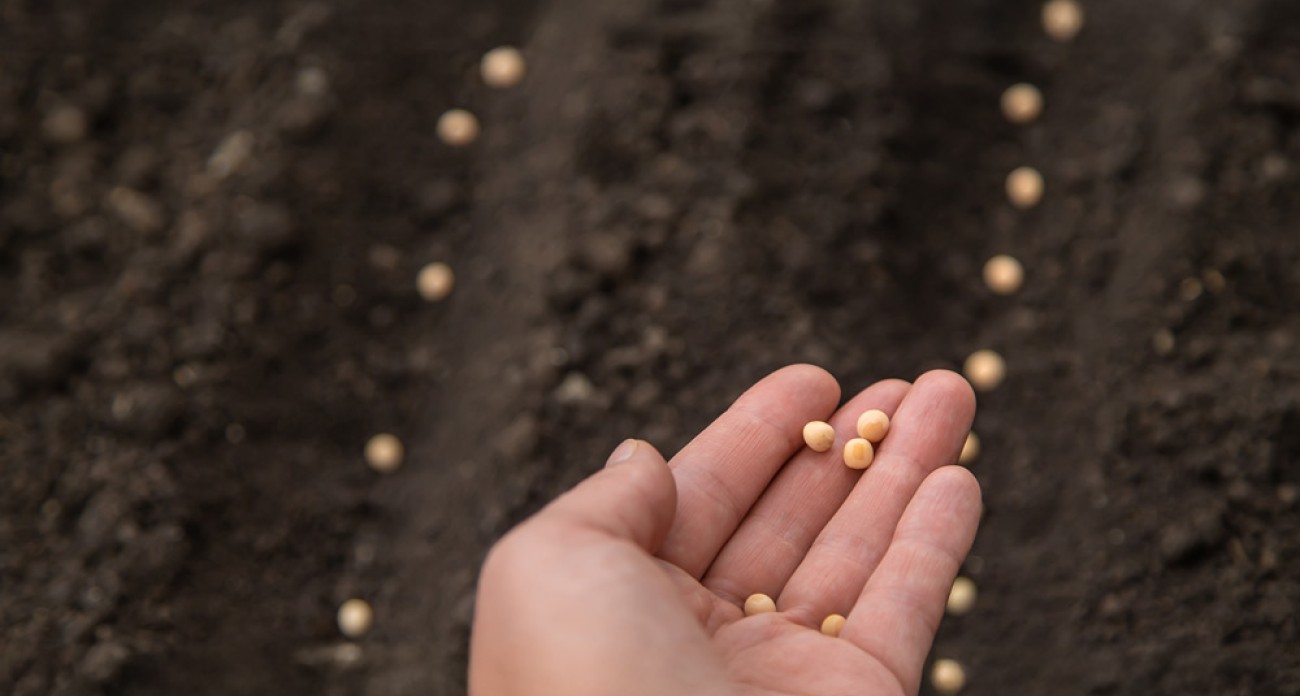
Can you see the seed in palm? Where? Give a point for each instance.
(858, 453)
(832, 625)
(819, 436)
(759, 603)
(873, 425)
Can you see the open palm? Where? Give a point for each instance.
(633, 582)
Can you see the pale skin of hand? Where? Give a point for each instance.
(633, 582)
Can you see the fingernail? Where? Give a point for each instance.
(623, 452)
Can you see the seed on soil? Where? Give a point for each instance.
(502, 67)
(832, 625)
(819, 435)
(970, 449)
(1062, 19)
(435, 281)
(961, 598)
(858, 453)
(384, 453)
(1163, 342)
(1003, 274)
(873, 425)
(1022, 103)
(985, 369)
(947, 676)
(759, 604)
(355, 618)
(458, 128)
(1024, 187)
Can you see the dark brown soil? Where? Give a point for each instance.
(683, 195)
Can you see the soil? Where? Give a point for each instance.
(208, 254)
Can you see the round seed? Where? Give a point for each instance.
(355, 618)
(384, 453)
(458, 128)
(985, 369)
(435, 281)
(759, 604)
(961, 598)
(873, 425)
(832, 625)
(1022, 103)
(819, 435)
(1062, 19)
(858, 453)
(1024, 187)
(502, 67)
(1003, 274)
(947, 676)
(969, 449)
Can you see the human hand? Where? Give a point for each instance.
(633, 582)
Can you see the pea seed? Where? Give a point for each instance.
(873, 425)
(1062, 19)
(969, 450)
(355, 618)
(832, 625)
(947, 676)
(458, 128)
(1025, 187)
(819, 435)
(1022, 103)
(1003, 274)
(384, 453)
(502, 67)
(985, 369)
(759, 603)
(858, 453)
(435, 282)
(961, 598)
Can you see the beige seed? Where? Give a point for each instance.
(502, 67)
(947, 676)
(384, 453)
(1003, 274)
(961, 598)
(858, 453)
(1025, 187)
(435, 282)
(819, 435)
(458, 128)
(1022, 103)
(832, 625)
(873, 425)
(355, 618)
(1163, 342)
(985, 369)
(969, 449)
(759, 604)
(1062, 19)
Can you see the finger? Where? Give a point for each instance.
(724, 469)
(927, 432)
(899, 610)
(776, 535)
(632, 499)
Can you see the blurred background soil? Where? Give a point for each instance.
(211, 217)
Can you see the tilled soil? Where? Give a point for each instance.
(211, 216)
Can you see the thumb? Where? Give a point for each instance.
(633, 498)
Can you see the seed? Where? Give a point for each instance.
(759, 604)
(819, 435)
(969, 449)
(355, 618)
(1062, 19)
(873, 425)
(962, 596)
(832, 625)
(435, 281)
(985, 369)
(1003, 274)
(947, 676)
(858, 453)
(1163, 342)
(1025, 187)
(502, 67)
(458, 128)
(384, 453)
(1022, 103)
